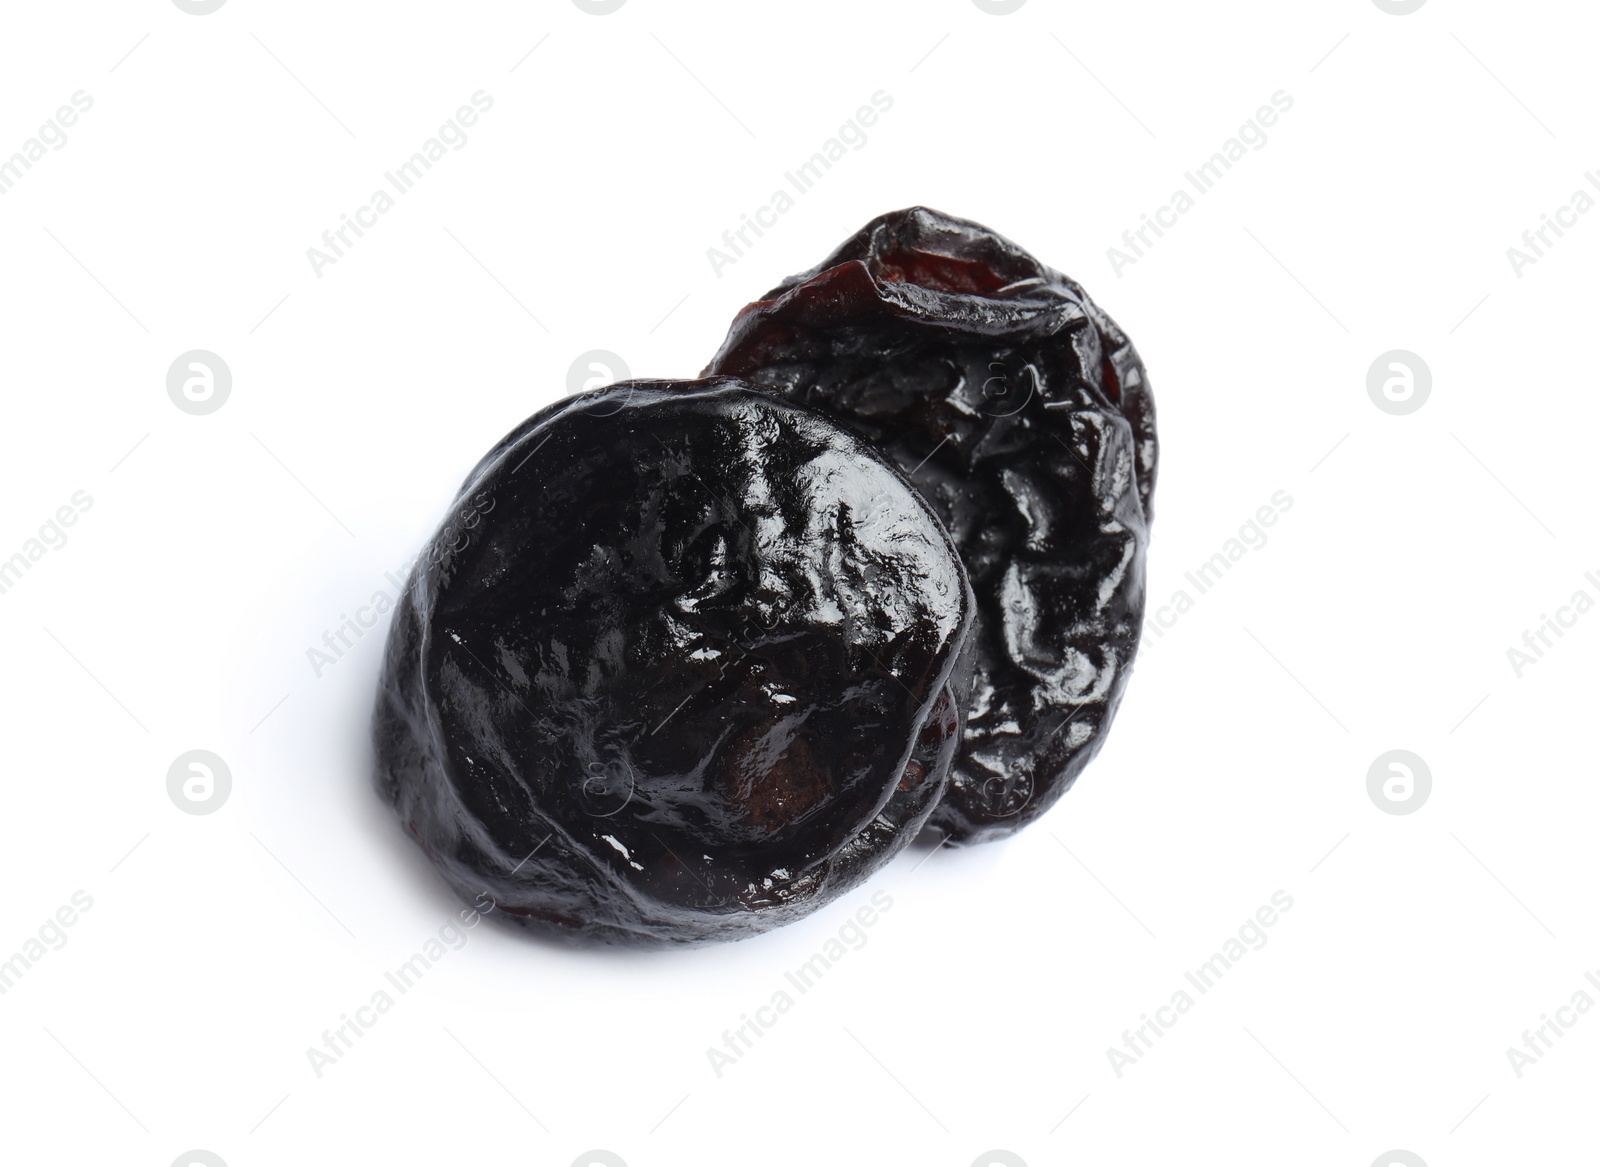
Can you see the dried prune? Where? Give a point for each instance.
(1023, 414)
(679, 666)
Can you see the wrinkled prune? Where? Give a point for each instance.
(1022, 413)
(678, 667)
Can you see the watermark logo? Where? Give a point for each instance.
(851, 936)
(344, 636)
(608, 788)
(1003, 795)
(1535, 641)
(595, 369)
(599, 8)
(999, 8)
(199, 782)
(999, 1158)
(199, 8)
(51, 537)
(451, 137)
(1400, 1158)
(339, 1040)
(1251, 136)
(1139, 1040)
(50, 937)
(200, 1158)
(199, 382)
(1399, 8)
(1541, 1039)
(1399, 382)
(1536, 240)
(1251, 536)
(52, 134)
(1399, 782)
(600, 1158)
(853, 135)
(1006, 393)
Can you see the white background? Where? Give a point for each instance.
(977, 1016)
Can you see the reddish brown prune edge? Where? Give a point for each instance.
(919, 273)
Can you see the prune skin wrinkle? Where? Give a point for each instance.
(679, 666)
(1023, 414)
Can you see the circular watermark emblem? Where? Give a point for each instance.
(998, 8)
(599, 1159)
(199, 8)
(607, 789)
(598, 8)
(199, 782)
(1399, 382)
(595, 369)
(1399, 8)
(1399, 782)
(199, 1159)
(999, 1159)
(1003, 795)
(1399, 1158)
(1005, 391)
(199, 382)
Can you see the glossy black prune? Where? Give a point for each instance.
(676, 668)
(1023, 414)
